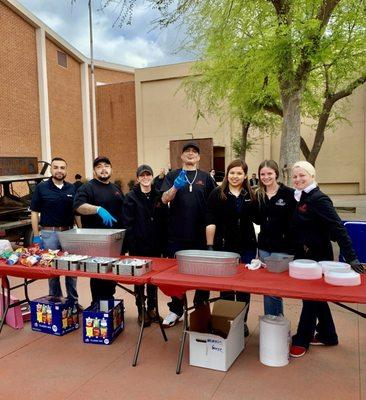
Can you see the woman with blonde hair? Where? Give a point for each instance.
(314, 224)
(229, 221)
(274, 208)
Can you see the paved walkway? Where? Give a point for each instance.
(39, 366)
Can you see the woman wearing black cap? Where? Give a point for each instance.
(142, 220)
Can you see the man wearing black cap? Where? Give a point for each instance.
(186, 190)
(141, 210)
(99, 202)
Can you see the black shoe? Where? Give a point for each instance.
(154, 316)
(147, 320)
(246, 330)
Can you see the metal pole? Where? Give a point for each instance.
(94, 113)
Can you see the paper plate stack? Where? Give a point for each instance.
(305, 269)
(334, 265)
(338, 277)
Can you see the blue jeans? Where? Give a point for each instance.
(272, 305)
(51, 241)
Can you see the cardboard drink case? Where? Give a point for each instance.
(216, 342)
(54, 315)
(103, 321)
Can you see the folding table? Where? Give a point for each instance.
(31, 274)
(173, 283)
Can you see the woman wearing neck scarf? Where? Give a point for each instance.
(315, 223)
(229, 221)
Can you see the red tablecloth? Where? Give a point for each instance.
(38, 272)
(173, 283)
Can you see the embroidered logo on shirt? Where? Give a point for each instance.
(280, 202)
(69, 195)
(303, 208)
(200, 182)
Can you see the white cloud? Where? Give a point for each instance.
(135, 45)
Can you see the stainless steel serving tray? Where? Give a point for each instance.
(131, 267)
(97, 264)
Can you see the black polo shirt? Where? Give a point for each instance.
(106, 195)
(54, 204)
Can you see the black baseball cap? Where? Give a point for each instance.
(144, 168)
(191, 144)
(101, 159)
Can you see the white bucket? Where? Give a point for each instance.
(274, 340)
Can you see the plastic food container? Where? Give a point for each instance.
(207, 262)
(97, 264)
(305, 269)
(70, 262)
(338, 277)
(131, 267)
(334, 265)
(94, 242)
(278, 262)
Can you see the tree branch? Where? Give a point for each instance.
(304, 148)
(325, 113)
(323, 15)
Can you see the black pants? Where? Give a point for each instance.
(151, 294)
(315, 315)
(237, 296)
(200, 296)
(245, 257)
(102, 289)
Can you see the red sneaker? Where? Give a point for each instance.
(297, 351)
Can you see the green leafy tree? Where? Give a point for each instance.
(275, 58)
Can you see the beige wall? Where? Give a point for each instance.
(163, 114)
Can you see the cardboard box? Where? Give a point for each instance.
(218, 350)
(103, 322)
(54, 315)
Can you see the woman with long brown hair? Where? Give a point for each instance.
(229, 225)
(274, 208)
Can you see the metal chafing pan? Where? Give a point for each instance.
(97, 264)
(132, 267)
(69, 262)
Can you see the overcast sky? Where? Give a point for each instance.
(134, 45)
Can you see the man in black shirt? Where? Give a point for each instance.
(186, 190)
(99, 202)
(53, 199)
(77, 182)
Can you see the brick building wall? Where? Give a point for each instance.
(19, 109)
(109, 76)
(116, 116)
(65, 108)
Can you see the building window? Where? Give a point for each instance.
(62, 59)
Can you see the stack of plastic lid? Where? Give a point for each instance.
(335, 265)
(338, 277)
(305, 269)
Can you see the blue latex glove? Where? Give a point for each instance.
(38, 240)
(106, 217)
(180, 180)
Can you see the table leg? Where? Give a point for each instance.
(143, 311)
(183, 336)
(6, 300)
(159, 319)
